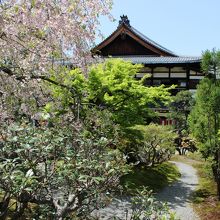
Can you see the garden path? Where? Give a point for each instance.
(178, 194)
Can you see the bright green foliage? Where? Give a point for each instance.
(71, 79)
(110, 85)
(113, 85)
(69, 93)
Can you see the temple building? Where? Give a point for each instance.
(164, 66)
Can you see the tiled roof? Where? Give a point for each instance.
(160, 60)
(139, 35)
(148, 40)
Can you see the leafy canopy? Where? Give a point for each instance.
(112, 85)
(65, 168)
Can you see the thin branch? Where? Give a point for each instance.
(9, 72)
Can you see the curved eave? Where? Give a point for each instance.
(106, 41)
(136, 35)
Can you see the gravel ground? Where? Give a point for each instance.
(119, 207)
(176, 195)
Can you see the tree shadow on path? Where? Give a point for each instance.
(178, 195)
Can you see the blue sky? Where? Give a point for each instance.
(187, 27)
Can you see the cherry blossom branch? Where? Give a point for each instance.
(9, 72)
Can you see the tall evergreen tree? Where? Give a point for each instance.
(204, 119)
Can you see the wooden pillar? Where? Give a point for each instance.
(187, 78)
(152, 75)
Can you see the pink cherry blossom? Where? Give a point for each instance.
(36, 36)
(33, 33)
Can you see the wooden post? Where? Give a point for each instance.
(187, 78)
(152, 76)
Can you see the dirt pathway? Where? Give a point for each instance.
(178, 194)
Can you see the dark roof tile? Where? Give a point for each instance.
(160, 60)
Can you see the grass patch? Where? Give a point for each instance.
(154, 178)
(204, 198)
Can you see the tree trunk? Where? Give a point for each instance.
(61, 212)
(19, 210)
(4, 206)
(179, 151)
(216, 175)
(218, 188)
(59, 215)
(183, 151)
(153, 158)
